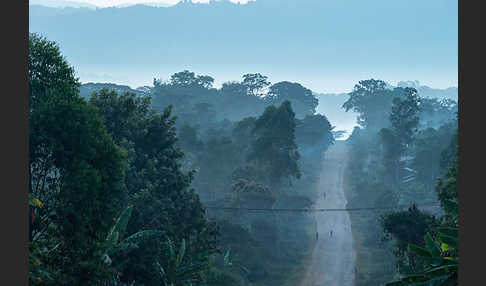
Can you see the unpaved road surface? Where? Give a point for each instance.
(333, 256)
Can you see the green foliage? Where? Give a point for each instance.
(224, 277)
(447, 192)
(48, 69)
(216, 163)
(76, 170)
(396, 139)
(403, 116)
(89, 160)
(407, 227)
(314, 132)
(303, 101)
(181, 269)
(248, 193)
(435, 112)
(186, 78)
(274, 149)
(449, 152)
(183, 91)
(432, 147)
(440, 257)
(195, 100)
(255, 83)
(116, 241)
(397, 157)
(157, 186)
(371, 99)
(188, 139)
(236, 103)
(242, 132)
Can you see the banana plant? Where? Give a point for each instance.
(440, 256)
(183, 270)
(113, 244)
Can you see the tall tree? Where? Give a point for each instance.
(407, 227)
(303, 101)
(314, 131)
(370, 99)
(404, 116)
(396, 139)
(76, 171)
(274, 151)
(48, 69)
(158, 188)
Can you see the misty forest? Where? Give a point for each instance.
(249, 183)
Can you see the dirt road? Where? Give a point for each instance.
(333, 256)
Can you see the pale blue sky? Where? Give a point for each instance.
(111, 3)
(326, 45)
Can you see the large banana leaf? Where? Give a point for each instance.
(440, 258)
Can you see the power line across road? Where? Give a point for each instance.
(321, 210)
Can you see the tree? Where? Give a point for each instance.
(404, 116)
(158, 188)
(242, 133)
(75, 168)
(449, 152)
(371, 99)
(314, 131)
(188, 139)
(440, 258)
(255, 83)
(435, 112)
(407, 227)
(392, 151)
(205, 81)
(183, 78)
(215, 164)
(440, 255)
(303, 101)
(396, 139)
(237, 102)
(249, 193)
(447, 191)
(274, 150)
(202, 114)
(48, 69)
(432, 153)
(234, 89)
(184, 90)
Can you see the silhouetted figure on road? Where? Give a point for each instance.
(317, 235)
(330, 233)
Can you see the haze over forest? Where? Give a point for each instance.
(273, 143)
(327, 46)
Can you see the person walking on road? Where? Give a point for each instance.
(317, 235)
(330, 233)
